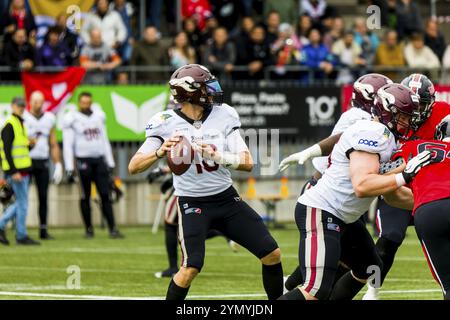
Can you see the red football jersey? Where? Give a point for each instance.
(426, 131)
(433, 181)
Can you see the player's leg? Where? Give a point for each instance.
(84, 170)
(101, 179)
(171, 237)
(242, 224)
(40, 173)
(392, 224)
(319, 252)
(360, 255)
(193, 223)
(432, 224)
(295, 278)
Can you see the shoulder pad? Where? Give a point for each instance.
(155, 126)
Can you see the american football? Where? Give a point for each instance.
(180, 157)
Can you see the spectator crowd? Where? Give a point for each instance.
(236, 39)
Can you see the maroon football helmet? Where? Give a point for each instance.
(393, 102)
(195, 84)
(365, 89)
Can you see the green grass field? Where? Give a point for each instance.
(123, 269)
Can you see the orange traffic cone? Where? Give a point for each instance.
(251, 188)
(284, 189)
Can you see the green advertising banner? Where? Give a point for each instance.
(127, 108)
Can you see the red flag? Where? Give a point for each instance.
(346, 97)
(57, 87)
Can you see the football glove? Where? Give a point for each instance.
(300, 157)
(415, 164)
(58, 173)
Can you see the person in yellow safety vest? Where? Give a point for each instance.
(16, 164)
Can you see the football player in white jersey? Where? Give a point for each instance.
(364, 91)
(41, 130)
(206, 197)
(86, 144)
(327, 215)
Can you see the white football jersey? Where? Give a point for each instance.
(346, 119)
(39, 129)
(204, 177)
(84, 136)
(334, 191)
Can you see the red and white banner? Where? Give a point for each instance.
(442, 94)
(57, 87)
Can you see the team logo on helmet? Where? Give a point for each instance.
(365, 89)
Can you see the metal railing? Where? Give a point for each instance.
(293, 73)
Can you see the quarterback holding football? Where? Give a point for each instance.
(201, 142)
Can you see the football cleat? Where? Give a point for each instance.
(168, 273)
(233, 245)
(285, 290)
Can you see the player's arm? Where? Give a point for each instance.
(401, 198)
(237, 156)
(108, 150)
(55, 153)
(151, 151)
(322, 148)
(68, 146)
(366, 180)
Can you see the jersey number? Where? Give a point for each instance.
(205, 165)
(438, 149)
(91, 133)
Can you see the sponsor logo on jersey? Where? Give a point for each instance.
(333, 227)
(370, 143)
(165, 116)
(386, 133)
(149, 126)
(193, 210)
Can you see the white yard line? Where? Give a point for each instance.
(221, 296)
(409, 291)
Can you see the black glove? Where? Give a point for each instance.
(70, 177)
(415, 164)
(155, 174)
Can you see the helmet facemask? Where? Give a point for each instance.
(388, 114)
(424, 88)
(421, 115)
(214, 92)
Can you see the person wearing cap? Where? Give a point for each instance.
(16, 164)
(40, 125)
